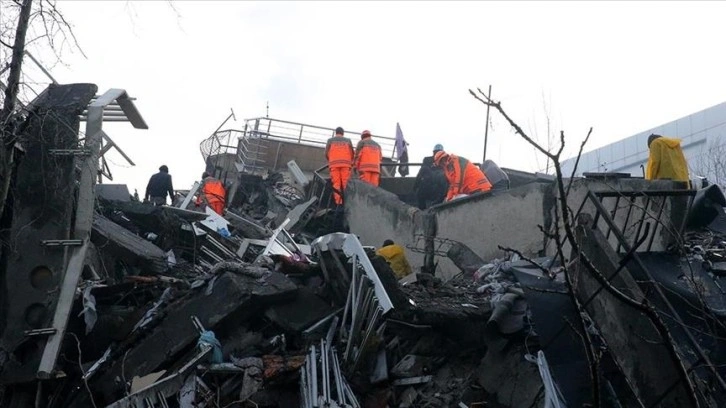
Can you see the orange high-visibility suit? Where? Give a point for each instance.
(368, 157)
(464, 177)
(212, 191)
(339, 152)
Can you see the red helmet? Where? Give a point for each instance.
(439, 157)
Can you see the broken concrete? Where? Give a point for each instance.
(654, 374)
(231, 297)
(127, 246)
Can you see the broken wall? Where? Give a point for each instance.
(376, 215)
(484, 222)
(510, 218)
(627, 214)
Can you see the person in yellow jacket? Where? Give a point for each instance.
(666, 160)
(396, 258)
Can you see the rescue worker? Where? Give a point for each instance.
(430, 185)
(463, 176)
(212, 192)
(368, 158)
(159, 186)
(395, 256)
(665, 160)
(339, 153)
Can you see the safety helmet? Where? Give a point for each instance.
(366, 133)
(439, 157)
(438, 147)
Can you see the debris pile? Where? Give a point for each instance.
(180, 307)
(108, 301)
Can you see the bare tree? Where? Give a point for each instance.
(24, 25)
(563, 233)
(711, 162)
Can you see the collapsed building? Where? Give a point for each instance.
(282, 301)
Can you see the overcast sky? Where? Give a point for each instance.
(620, 67)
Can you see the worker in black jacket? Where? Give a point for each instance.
(431, 184)
(159, 186)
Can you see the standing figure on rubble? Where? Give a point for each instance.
(430, 185)
(212, 192)
(159, 186)
(368, 159)
(463, 176)
(665, 159)
(339, 152)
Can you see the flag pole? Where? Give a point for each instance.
(486, 129)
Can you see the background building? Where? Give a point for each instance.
(703, 138)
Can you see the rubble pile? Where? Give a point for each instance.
(108, 301)
(180, 307)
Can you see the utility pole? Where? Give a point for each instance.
(486, 129)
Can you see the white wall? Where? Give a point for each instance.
(699, 132)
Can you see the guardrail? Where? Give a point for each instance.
(277, 129)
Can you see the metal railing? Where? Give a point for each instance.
(640, 202)
(312, 135)
(644, 211)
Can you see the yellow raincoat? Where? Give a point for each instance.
(395, 256)
(666, 160)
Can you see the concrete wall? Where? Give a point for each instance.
(510, 219)
(375, 215)
(309, 158)
(484, 222)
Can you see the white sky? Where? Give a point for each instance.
(621, 67)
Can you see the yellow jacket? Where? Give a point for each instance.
(666, 160)
(395, 256)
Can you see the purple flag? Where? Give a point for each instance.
(401, 151)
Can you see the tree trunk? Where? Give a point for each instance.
(11, 94)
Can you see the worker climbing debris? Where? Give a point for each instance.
(368, 158)
(463, 176)
(159, 186)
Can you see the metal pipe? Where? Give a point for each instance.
(615, 211)
(314, 376)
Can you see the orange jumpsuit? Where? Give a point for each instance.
(339, 152)
(214, 193)
(464, 177)
(368, 159)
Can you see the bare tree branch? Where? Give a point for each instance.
(564, 211)
(577, 160)
(57, 14)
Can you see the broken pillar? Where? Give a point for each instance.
(35, 259)
(127, 246)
